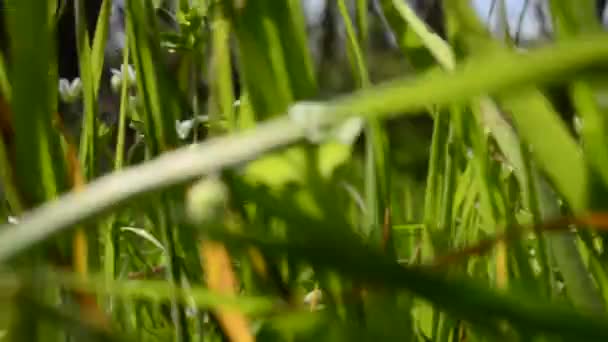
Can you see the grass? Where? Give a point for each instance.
(282, 211)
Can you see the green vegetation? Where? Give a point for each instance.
(292, 211)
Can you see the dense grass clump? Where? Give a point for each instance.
(241, 170)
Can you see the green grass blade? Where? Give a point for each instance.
(440, 50)
(223, 85)
(5, 87)
(153, 82)
(88, 139)
(38, 162)
(99, 41)
(464, 298)
(476, 76)
(556, 151)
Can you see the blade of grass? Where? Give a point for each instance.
(581, 288)
(223, 85)
(573, 189)
(5, 87)
(256, 24)
(99, 41)
(440, 50)
(152, 290)
(88, 139)
(153, 81)
(161, 108)
(39, 167)
(377, 174)
(111, 234)
(475, 76)
(38, 161)
(571, 21)
(380, 310)
(464, 298)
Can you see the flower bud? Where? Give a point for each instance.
(69, 92)
(206, 201)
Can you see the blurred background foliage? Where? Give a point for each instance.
(303, 170)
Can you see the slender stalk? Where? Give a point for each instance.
(122, 119)
(111, 235)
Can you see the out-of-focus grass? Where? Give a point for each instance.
(257, 215)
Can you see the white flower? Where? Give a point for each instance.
(205, 201)
(119, 74)
(115, 83)
(70, 91)
(314, 297)
(183, 128)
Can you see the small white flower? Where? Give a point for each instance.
(205, 201)
(184, 128)
(12, 220)
(115, 83)
(313, 297)
(118, 75)
(70, 91)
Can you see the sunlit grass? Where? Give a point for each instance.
(257, 214)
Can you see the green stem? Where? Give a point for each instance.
(122, 119)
